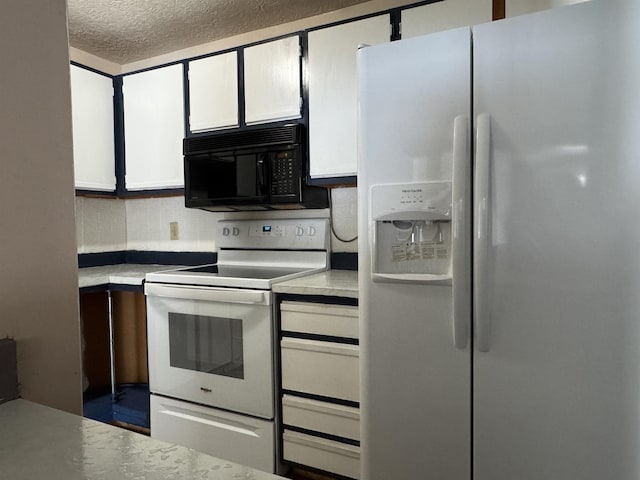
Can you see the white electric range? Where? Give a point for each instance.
(212, 371)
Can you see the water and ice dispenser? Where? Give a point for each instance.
(411, 231)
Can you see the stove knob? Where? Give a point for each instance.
(236, 231)
(225, 232)
(312, 231)
(299, 231)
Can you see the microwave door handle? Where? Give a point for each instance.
(262, 187)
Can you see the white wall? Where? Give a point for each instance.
(521, 7)
(109, 225)
(39, 283)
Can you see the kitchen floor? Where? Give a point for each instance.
(300, 474)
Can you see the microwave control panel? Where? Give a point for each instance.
(284, 174)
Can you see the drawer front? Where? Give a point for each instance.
(320, 319)
(321, 453)
(338, 420)
(237, 438)
(321, 368)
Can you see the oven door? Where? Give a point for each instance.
(213, 346)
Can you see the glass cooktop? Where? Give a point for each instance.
(242, 272)
(259, 277)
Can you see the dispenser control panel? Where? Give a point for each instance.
(432, 199)
(411, 231)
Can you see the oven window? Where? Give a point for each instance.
(206, 344)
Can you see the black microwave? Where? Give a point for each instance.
(253, 169)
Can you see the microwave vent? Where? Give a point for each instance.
(280, 135)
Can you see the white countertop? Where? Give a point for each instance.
(338, 283)
(38, 442)
(122, 274)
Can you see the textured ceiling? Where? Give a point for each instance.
(125, 31)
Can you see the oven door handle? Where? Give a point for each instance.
(208, 294)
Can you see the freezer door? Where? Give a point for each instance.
(557, 372)
(415, 396)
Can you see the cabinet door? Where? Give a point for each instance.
(436, 17)
(154, 128)
(333, 93)
(213, 92)
(272, 80)
(93, 141)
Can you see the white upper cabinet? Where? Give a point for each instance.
(439, 16)
(333, 93)
(213, 92)
(154, 128)
(272, 80)
(93, 142)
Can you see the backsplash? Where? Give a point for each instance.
(148, 226)
(100, 225)
(105, 225)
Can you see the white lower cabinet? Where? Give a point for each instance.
(321, 380)
(343, 459)
(237, 438)
(321, 368)
(333, 419)
(319, 319)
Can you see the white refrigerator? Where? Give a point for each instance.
(499, 249)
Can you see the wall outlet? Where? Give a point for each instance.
(174, 232)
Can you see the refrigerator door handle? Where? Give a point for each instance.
(482, 191)
(461, 281)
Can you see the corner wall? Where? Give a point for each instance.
(39, 283)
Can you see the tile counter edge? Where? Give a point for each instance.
(122, 274)
(336, 283)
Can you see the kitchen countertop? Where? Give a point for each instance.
(338, 283)
(123, 274)
(38, 442)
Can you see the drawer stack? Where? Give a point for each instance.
(321, 386)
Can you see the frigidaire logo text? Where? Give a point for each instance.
(412, 190)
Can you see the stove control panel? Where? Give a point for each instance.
(307, 233)
(268, 229)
